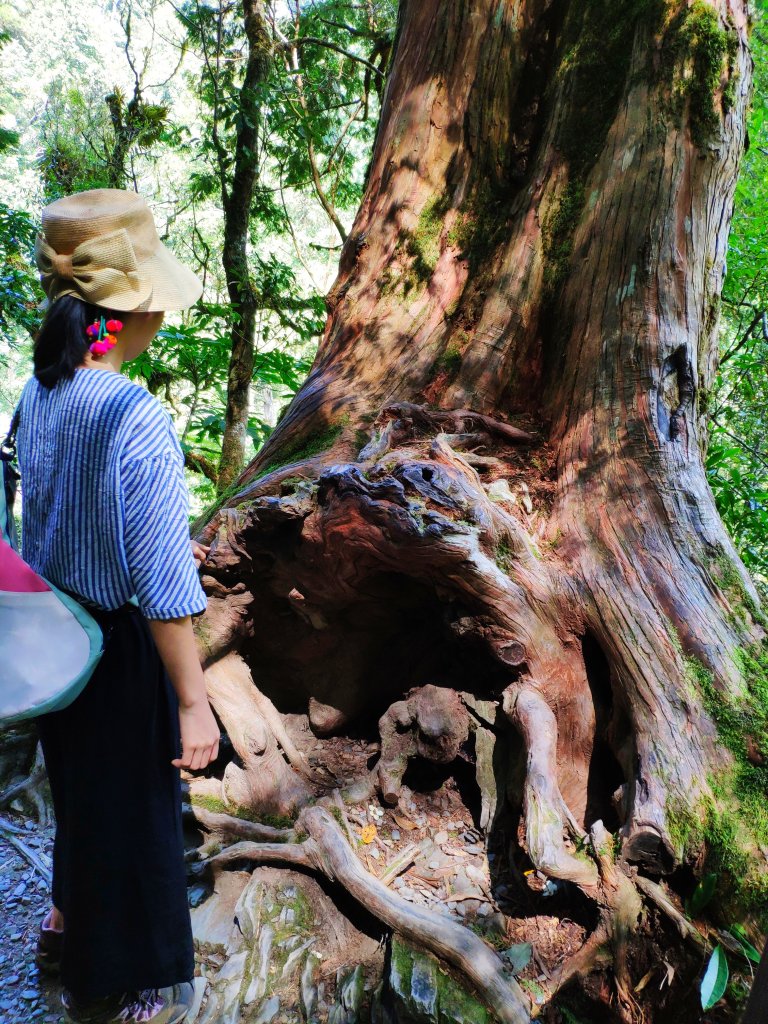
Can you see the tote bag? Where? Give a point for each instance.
(49, 644)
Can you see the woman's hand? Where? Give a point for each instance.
(200, 552)
(175, 640)
(199, 736)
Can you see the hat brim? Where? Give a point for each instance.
(174, 286)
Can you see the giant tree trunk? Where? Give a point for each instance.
(492, 481)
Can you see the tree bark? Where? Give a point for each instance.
(237, 197)
(493, 477)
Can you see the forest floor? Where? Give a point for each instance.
(429, 849)
(27, 994)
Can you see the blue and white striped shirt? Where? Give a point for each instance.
(105, 503)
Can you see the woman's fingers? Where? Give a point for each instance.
(200, 551)
(199, 757)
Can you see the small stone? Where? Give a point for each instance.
(441, 837)
(395, 833)
(29, 993)
(374, 853)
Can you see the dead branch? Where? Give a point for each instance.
(659, 897)
(10, 834)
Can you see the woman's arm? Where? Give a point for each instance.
(176, 645)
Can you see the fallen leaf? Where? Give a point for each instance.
(404, 822)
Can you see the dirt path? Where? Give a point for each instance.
(26, 993)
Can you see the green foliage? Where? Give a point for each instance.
(702, 894)
(737, 464)
(740, 934)
(20, 292)
(715, 979)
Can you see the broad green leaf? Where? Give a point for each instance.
(740, 933)
(715, 979)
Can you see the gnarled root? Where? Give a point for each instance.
(404, 420)
(547, 816)
(266, 782)
(226, 826)
(431, 723)
(33, 788)
(327, 851)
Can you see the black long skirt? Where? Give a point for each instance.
(118, 861)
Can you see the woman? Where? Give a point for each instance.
(105, 517)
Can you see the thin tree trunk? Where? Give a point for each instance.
(237, 199)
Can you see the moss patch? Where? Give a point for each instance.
(557, 235)
(217, 805)
(728, 578)
(503, 556)
(708, 49)
(418, 979)
(733, 825)
(306, 447)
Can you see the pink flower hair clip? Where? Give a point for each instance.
(104, 332)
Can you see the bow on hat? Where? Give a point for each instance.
(101, 270)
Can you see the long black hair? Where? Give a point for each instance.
(61, 342)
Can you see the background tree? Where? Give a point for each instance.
(260, 124)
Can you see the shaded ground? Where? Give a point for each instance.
(26, 993)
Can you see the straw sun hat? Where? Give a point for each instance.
(102, 246)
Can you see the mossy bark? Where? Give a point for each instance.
(543, 229)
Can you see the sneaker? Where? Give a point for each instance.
(48, 950)
(159, 1005)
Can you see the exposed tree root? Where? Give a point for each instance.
(327, 850)
(33, 787)
(546, 814)
(227, 825)
(421, 515)
(266, 782)
(658, 896)
(405, 420)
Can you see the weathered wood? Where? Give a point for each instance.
(534, 270)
